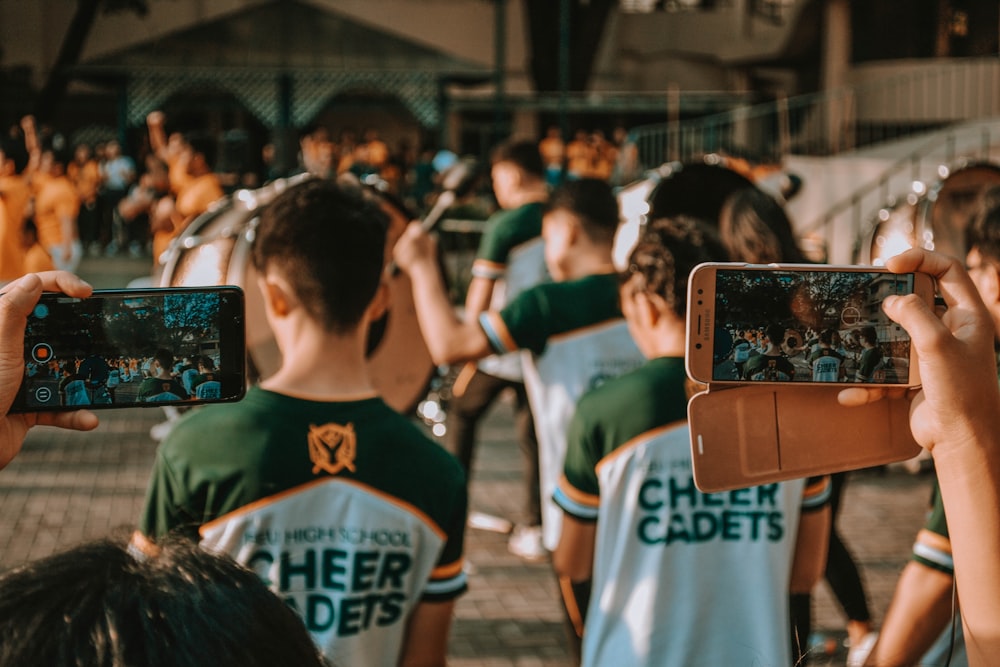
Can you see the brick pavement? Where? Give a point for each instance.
(66, 487)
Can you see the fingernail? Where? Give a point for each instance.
(889, 301)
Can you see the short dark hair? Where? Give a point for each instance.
(756, 229)
(666, 252)
(983, 232)
(97, 604)
(523, 154)
(593, 202)
(869, 335)
(775, 334)
(165, 358)
(328, 240)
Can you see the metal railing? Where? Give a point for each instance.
(930, 96)
(848, 224)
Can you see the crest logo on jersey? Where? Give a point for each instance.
(332, 447)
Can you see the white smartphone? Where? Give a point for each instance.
(799, 323)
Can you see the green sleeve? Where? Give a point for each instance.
(163, 511)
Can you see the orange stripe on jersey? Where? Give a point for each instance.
(934, 541)
(583, 331)
(576, 495)
(271, 500)
(572, 606)
(464, 378)
(447, 571)
(145, 545)
(500, 330)
(817, 488)
(637, 440)
(487, 266)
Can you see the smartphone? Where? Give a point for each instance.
(802, 323)
(134, 348)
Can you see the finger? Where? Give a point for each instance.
(953, 281)
(78, 420)
(857, 396)
(920, 321)
(65, 282)
(17, 300)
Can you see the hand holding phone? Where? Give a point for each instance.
(17, 299)
(811, 324)
(133, 348)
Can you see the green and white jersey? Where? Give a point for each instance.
(344, 509)
(577, 339)
(680, 577)
(512, 254)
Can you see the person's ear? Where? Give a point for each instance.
(380, 302)
(990, 284)
(276, 296)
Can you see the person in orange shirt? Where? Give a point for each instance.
(56, 208)
(85, 174)
(200, 189)
(36, 259)
(172, 150)
(15, 200)
(579, 156)
(553, 151)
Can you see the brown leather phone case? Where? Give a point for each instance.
(748, 435)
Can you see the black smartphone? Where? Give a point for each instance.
(134, 348)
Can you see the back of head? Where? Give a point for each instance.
(328, 241)
(593, 202)
(98, 606)
(755, 229)
(667, 250)
(775, 334)
(165, 358)
(869, 335)
(522, 154)
(983, 233)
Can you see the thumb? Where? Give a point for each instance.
(916, 316)
(16, 302)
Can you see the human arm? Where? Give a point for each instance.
(31, 145)
(920, 610)
(449, 340)
(811, 544)
(157, 135)
(477, 297)
(574, 555)
(426, 641)
(956, 416)
(16, 303)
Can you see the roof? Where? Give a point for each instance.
(283, 35)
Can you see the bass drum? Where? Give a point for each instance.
(934, 217)
(215, 250)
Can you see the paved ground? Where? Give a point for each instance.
(67, 487)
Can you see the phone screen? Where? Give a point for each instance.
(125, 348)
(773, 325)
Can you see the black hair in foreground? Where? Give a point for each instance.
(328, 241)
(97, 605)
